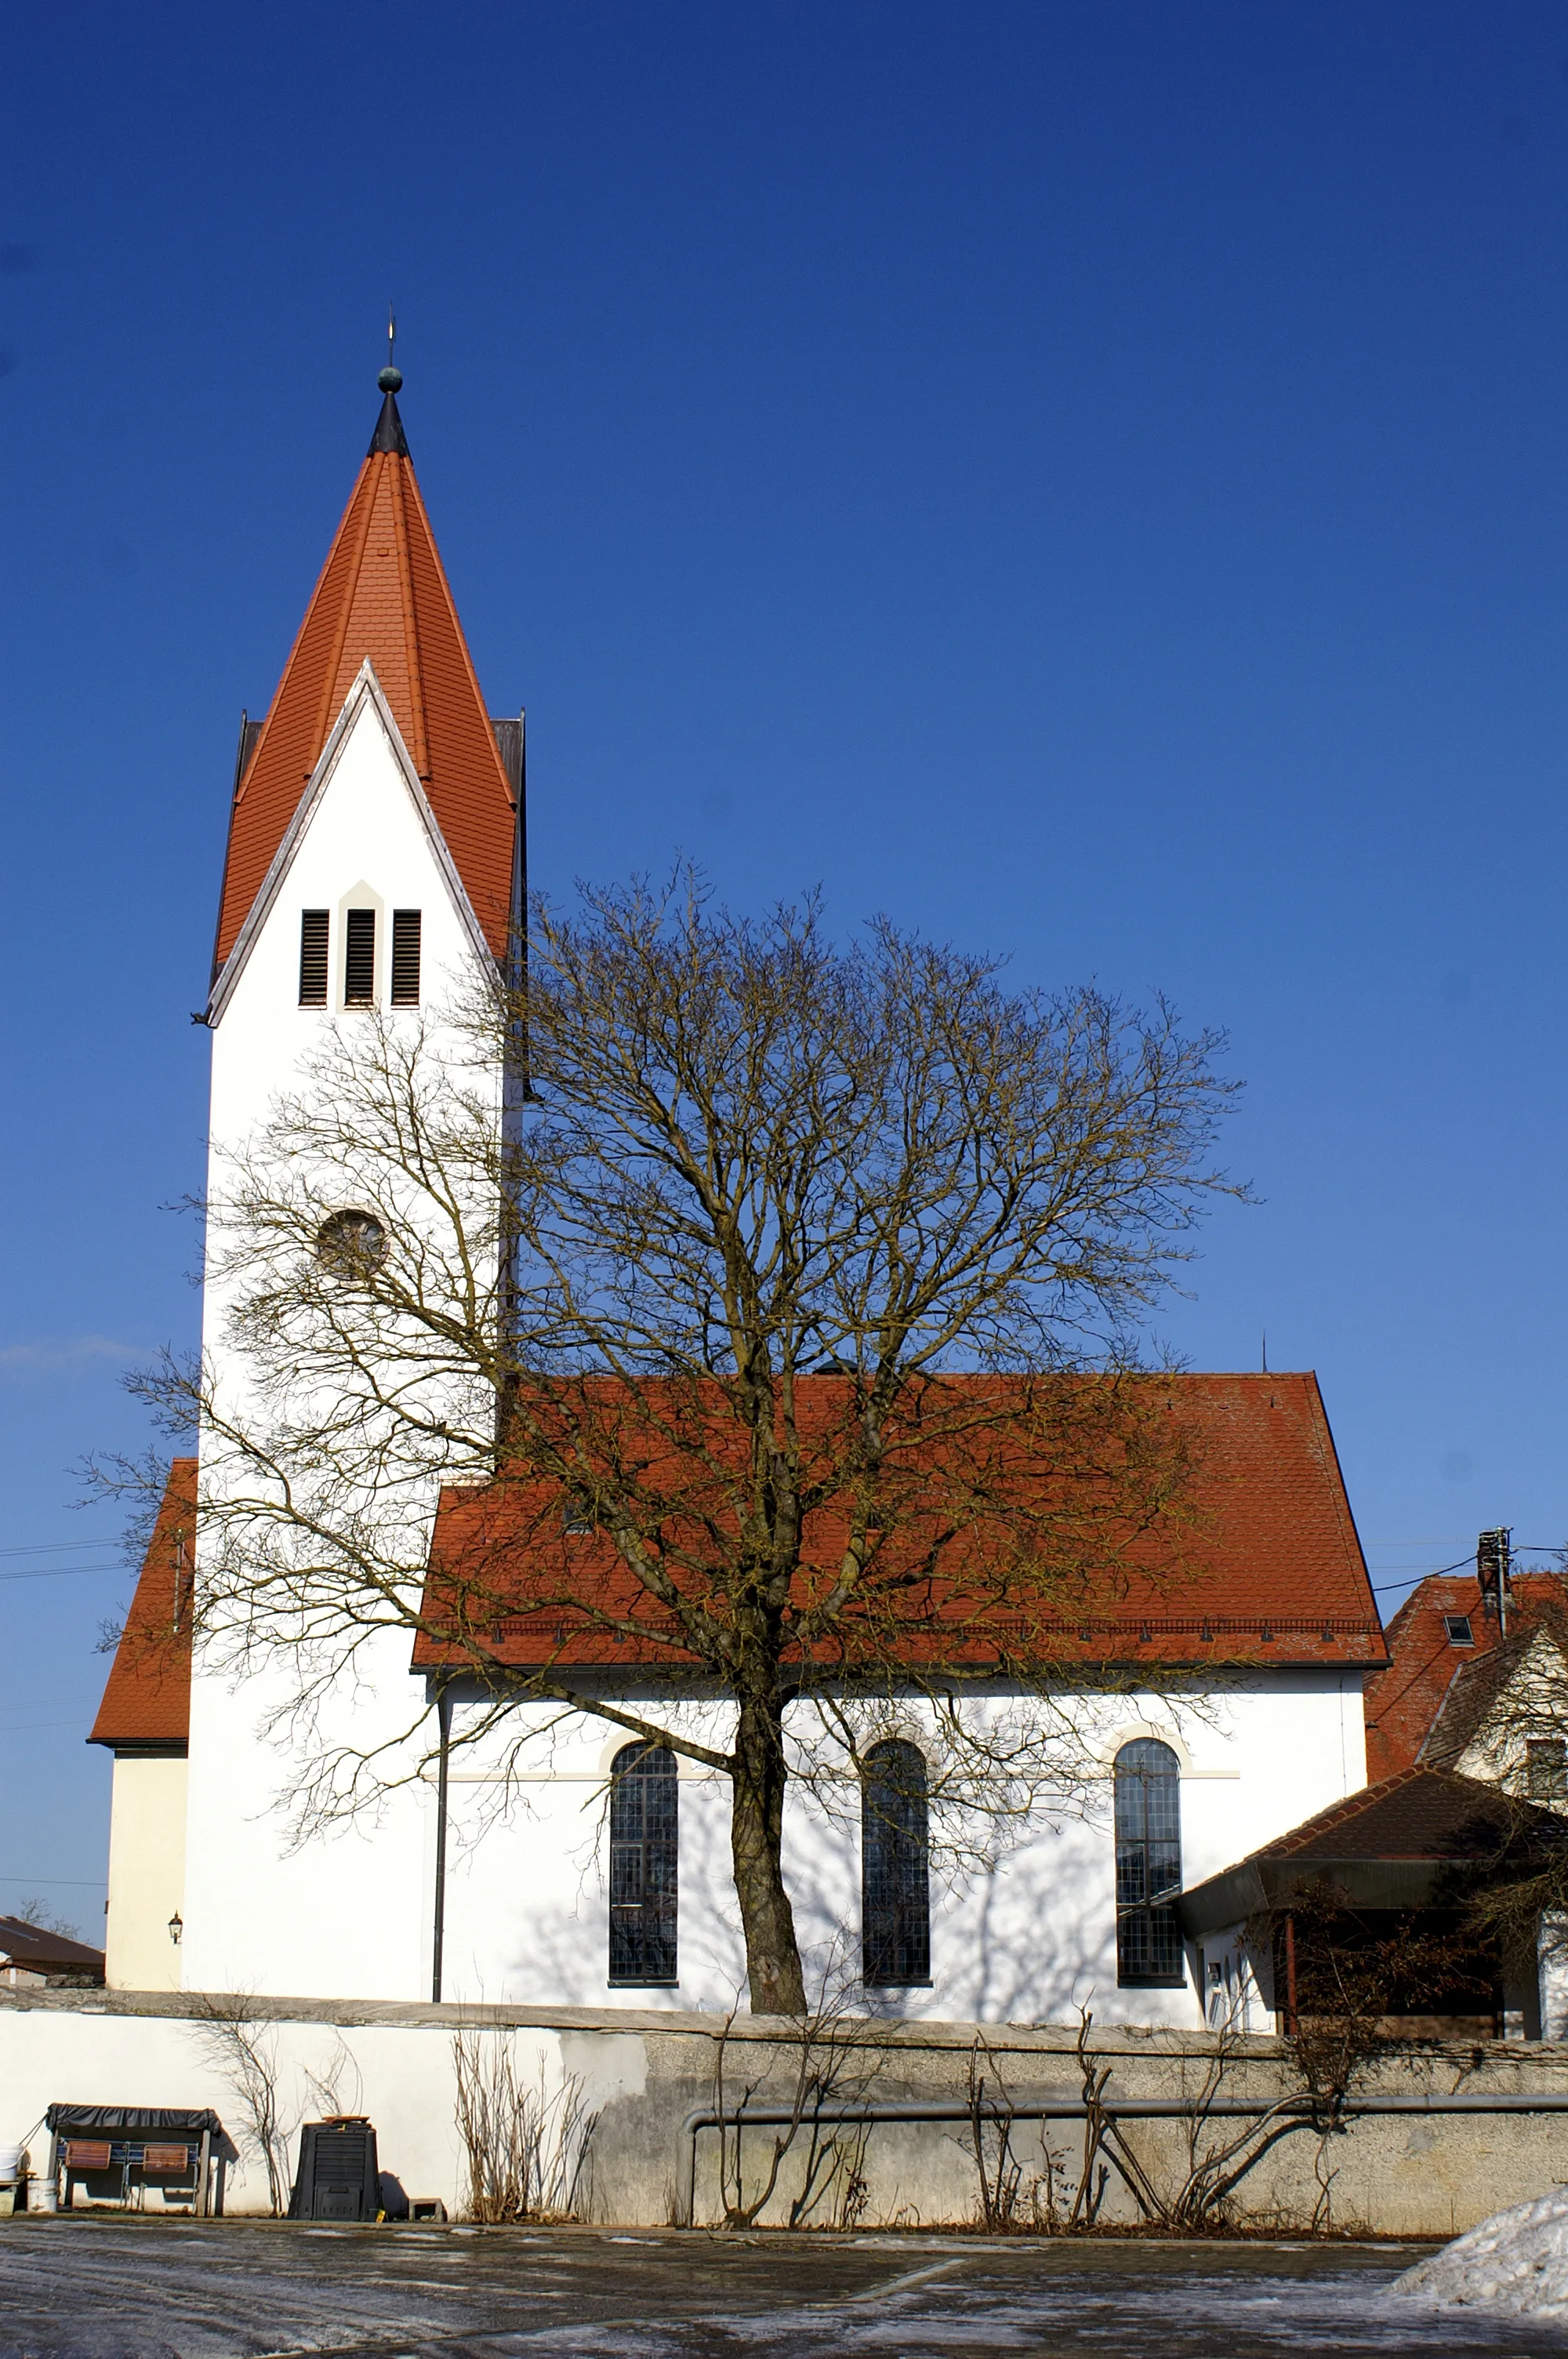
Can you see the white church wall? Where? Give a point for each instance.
(146, 1871)
(346, 1911)
(1028, 1939)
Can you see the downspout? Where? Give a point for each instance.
(443, 1726)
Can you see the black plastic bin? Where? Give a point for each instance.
(336, 2178)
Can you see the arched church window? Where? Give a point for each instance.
(1148, 1866)
(351, 1244)
(895, 1884)
(645, 1849)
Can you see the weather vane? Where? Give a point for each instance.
(391, 378)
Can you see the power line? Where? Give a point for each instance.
(84, 1882)
(58, 1548)
(62, 1571)
(1465, 1564)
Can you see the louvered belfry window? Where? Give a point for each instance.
(1148, 1866)
(644, 1852)
(406, 958)
(895, 1879)
(359, 959)
(313, 958)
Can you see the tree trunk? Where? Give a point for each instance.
(756, 1840)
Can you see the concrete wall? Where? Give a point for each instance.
(146, 1871)
(641, 2074)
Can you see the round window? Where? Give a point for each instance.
(351, 1243)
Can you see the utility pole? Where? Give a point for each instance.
(1494, 1556)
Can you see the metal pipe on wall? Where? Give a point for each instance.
(1299, 2111)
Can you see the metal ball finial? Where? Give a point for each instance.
(390, 380)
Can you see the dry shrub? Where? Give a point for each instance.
(526, 2142)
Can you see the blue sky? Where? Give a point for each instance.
(1087, 480)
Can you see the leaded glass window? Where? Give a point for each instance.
(1148, 1866)
(645, 1847)
(896, 1892)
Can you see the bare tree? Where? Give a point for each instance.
(45, 1917)
(783, 1297)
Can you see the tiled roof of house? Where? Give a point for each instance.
(382, 596)
(1417, 1814)
(1403, 1702)
(147, 1700)
(40, 1951)
(1477, 1686)
(1266, 1567)
(1420, 1839)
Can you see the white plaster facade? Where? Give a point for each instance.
(146, 1871)
(345, 1913)
(1028, 1939)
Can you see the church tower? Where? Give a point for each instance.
(380, 656)
(373, 868)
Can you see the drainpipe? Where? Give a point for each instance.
(1295, 2113)
(443, 1725)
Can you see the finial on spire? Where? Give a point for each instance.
(389, 434)
(391, 378)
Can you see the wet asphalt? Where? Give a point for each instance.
(120, 2287)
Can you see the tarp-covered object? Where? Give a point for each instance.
(132, 2121)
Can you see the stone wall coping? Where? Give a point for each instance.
(1466, 2058)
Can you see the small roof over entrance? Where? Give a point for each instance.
(1407, 1843)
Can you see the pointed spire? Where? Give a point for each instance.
(389, 434)
(382, 597)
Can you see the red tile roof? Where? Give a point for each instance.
(1414, 1841)
(383, 595)
(1402, 1702)
(40, 1951)
(1418, 1814)
(147, 1700)
(1268, 1571)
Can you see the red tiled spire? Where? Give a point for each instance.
(146, 1700)
(383, 595)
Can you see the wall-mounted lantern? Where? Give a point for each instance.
(175, 1928)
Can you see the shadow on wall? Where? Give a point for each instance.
(1030, 1938)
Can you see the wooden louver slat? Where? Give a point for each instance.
(406, 958)
(359, 960)
(313, 958)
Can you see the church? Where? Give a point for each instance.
(376, 867)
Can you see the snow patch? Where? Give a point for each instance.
(1516, 2261)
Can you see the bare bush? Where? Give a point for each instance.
(526, 2142)
(242, 2048)
(831, 2062)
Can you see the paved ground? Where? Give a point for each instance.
(112, 2287)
